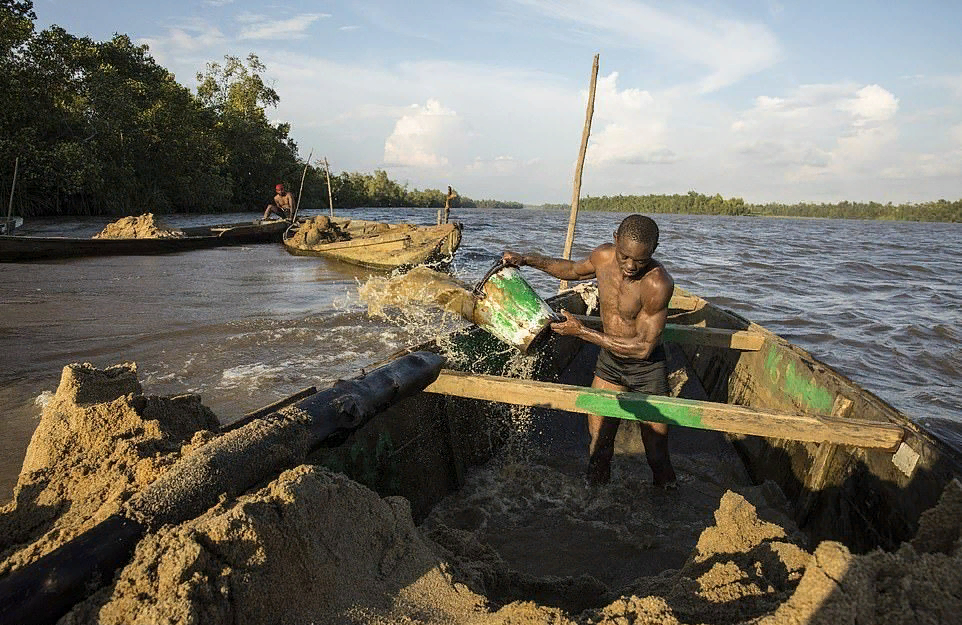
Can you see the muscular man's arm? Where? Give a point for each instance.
(649, 325)
(557, 267)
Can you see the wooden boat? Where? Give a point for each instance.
(15, 249)
(383, 246)
(853, 469)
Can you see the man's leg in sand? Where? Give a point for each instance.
(655, 438)
(602, 447)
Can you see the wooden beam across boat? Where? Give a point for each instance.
(671, 410)
(684, 302)
(694, 335)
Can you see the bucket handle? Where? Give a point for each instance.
(478, 292)
(479, 287)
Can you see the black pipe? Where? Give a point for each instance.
(46, 589)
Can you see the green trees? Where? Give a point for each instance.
(100, 128)
(698, 204)
(251, 153)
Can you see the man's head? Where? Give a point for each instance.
(635, 242)
(279, 188)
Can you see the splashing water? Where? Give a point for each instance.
(430, 305)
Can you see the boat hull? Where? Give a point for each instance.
(863, 498)
(398, 246)
(28, 248)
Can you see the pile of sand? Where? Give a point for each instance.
(313, 546)
(142, 227)
(98, 442)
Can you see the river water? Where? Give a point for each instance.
(245, 326)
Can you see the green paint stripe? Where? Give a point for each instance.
(638, 407)
(801, 387)
(519, 296)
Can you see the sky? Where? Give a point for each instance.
(770, 101)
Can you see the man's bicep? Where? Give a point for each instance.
(584, 269)
(654, 313)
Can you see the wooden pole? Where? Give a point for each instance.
(330, 198)
(671, 410)
(297, 202)
(576, 195)
(16, 166)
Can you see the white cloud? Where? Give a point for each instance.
(187, 43)
(266, 27)
(631, 128)
(870, 104)
(217, 3)
(423, 136)
(955, 132)
(727, 49)
(346, 28)
(818, 131)
(498, 166)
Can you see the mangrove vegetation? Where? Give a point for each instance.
(99, 128)
(700, 204)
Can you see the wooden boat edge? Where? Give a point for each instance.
(859, 497)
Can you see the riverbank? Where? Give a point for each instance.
(314, 546)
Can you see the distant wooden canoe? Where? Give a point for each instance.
(15, 249)
(385, 246)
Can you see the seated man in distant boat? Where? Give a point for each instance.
(448, 200)
(282, 205)
(633, 291)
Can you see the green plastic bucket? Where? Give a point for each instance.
(507, 307)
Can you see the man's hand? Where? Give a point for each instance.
(512, 259)
(569, 327)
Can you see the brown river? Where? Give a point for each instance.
(245, 326)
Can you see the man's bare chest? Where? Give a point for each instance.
(619, 298)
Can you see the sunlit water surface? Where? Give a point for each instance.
(244, 326)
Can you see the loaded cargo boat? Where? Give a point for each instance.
(24, 248)
(853, 469)
(375, 245)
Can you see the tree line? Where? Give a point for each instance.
(99, 128)
(355, 189)
(700, 204)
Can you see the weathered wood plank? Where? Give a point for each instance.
(674, 411)
(694, 335)
(684, 302)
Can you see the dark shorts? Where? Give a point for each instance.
(648, 376)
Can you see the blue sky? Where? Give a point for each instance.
(765, 100)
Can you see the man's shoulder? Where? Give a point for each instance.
(605, 248)
(659, 282)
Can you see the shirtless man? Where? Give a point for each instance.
(282, 206)
(634, 290)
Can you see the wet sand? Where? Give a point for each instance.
(522, 542)
(140, 227)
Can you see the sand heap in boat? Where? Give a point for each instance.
(99, 441)
(315, 546)
(141, 227)
(318, 231)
